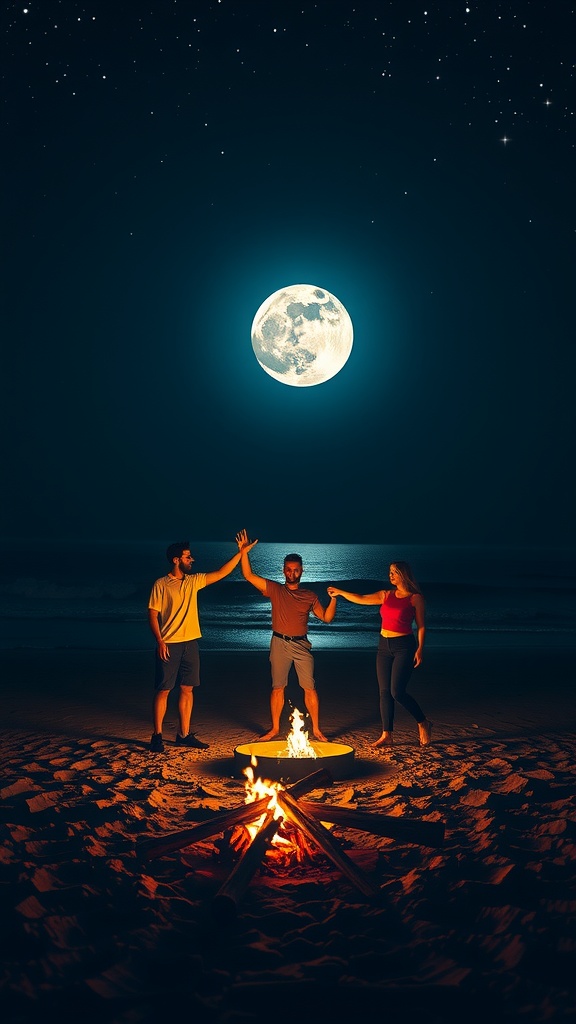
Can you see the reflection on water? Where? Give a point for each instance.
(96, 596)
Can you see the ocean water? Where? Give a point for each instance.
(95, 596)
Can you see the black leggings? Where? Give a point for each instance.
(394, 665)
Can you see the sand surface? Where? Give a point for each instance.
(480, 928)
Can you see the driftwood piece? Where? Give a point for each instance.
(225, 902)
(321, 837)
(423, 833)
(150, 849)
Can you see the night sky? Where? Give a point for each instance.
(168, 165)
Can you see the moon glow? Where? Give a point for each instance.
(302, 335)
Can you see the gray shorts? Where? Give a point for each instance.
(284, 654)
(181, 669)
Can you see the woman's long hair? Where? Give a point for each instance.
(409, 582)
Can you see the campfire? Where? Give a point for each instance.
(288, 845)
(274, 823)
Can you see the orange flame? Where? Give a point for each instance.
(288, 842)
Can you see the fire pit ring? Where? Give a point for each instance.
(274, 764)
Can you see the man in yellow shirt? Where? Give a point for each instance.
(174, 621)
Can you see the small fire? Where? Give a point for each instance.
(288, 845)
(256, 789)
(297, 739)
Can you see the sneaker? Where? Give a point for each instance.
(156, 743)
(190, 741)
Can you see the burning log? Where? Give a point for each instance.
(149, 849)
(423, 833)
(321, 837)
(225, 902)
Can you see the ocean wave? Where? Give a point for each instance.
(232, 619)
(97, 598)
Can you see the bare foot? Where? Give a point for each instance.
(269, 735)
(425, 732)
(386, 740)
(320, 736)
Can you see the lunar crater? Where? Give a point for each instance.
(302, 335)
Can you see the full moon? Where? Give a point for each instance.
(302, 335)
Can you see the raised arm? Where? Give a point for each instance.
(376, 598)
(226, 569)
(245, 546)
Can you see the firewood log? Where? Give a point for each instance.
(159, 846)
(225, 902)
(322, 838)
(423, 833)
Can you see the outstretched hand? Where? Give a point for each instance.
(332, 592)
(243, 541)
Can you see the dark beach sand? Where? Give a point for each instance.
(483, 928)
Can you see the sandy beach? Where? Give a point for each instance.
(480, 928)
